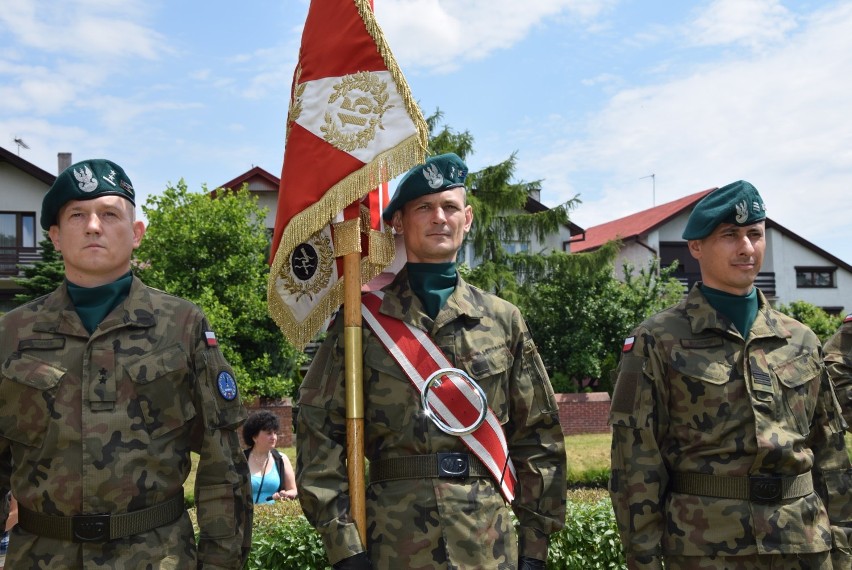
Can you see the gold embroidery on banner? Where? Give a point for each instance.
(364, 101)
(295, 110)
(318, 277)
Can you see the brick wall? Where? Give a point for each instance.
(583, 413)
(578, 413)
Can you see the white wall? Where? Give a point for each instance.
(784, 254)
(20, 192)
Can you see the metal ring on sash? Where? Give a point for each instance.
(435, 379)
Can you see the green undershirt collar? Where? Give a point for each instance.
(433, 283)
(740, 309)
(93, 304)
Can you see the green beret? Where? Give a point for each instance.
(84, 181)
(439, 173)
(737, 203)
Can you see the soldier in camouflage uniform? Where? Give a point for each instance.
(727, 444)
(106, 387)
(415, 518)
(838, 361)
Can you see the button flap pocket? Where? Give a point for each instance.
(796, 371)
(30, 371)
(149, 368)
(695, 364)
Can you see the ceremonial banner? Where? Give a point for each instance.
(352, 126)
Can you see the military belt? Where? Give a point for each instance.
(755, 489)
(442, 465)
(100, 527)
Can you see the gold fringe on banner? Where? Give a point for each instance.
(355, 186)
(383, 168)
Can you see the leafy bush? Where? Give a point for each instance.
(588, 541)
(283, 538)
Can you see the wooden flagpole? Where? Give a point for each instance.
(355, 464)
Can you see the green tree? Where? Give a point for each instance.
(213, 252)
(498, 201)
(823, 324)
(43, 276)
(579, 318)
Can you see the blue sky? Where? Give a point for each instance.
(594, 96)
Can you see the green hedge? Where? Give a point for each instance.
(283, 539)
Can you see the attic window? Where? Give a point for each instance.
(815, 277)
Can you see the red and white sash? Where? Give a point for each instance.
(419, 357)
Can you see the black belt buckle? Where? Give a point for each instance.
(453, 465)
(765, 489)
(90, 528)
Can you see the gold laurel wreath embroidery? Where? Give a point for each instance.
(365, 82)
(295, 110)
(312, 286)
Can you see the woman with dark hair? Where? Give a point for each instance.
(272, 476)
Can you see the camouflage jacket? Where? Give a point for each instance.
(838, 361)
(435, 523)
(693, 396)
(106, 423)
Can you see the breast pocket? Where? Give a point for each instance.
(27, 398)
(799, 380)
(163, 393)
(704, 396)
(490, 367)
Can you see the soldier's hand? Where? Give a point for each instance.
(527, 563)
(358, 562)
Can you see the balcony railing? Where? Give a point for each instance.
(765, 281)
(12, 257)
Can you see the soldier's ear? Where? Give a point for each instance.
(396, 222)
(694, 246)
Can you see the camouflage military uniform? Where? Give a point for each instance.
(435, 523)
(838, 361)
(105, 424)
(693, 397)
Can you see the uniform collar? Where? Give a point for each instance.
(703, 317)
(400, 302)
(59, 316)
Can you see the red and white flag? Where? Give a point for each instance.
(352, 126)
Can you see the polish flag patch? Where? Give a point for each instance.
(628, 344)
(210, 337)
(848, 318)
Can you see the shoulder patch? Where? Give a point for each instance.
(210, 339)
(227, 385)
(848, 318)
(628, 344)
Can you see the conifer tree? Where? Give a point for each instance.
(44, 275)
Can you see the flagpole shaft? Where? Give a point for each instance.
(354, 391)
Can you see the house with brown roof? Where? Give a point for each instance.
(22, 188)
(794, 269)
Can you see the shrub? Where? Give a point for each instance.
(588, 541)
(283, 538)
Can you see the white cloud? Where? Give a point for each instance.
(103, 29)
(753, 23)
(441, 35)
(777, 119)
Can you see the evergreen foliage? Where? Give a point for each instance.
(498, 201)
(43, 276)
